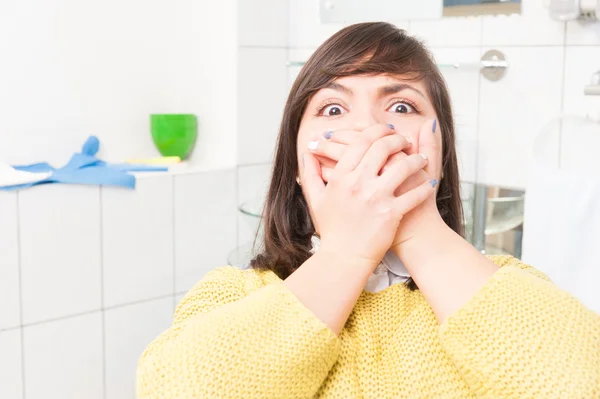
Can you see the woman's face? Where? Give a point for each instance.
(358, 102)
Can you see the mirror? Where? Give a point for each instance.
(353, 11)
(457, 8)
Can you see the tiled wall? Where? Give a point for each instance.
(550, 62)
(71, 69)
(89, 276)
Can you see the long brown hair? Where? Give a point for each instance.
(361, 49)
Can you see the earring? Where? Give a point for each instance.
(298, 180)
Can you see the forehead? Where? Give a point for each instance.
(374, 82)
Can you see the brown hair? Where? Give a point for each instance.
(361, 49)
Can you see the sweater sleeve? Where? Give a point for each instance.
(225, 343)
(522, 337)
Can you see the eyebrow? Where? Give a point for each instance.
(383, 91)
(398, 87)
(339, 87)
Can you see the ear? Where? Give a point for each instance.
(430, 144)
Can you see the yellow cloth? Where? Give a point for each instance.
(243, 334)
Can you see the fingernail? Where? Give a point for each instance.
(408, 139)
(433, 182)
(302, 160)
(434, 125)
(391, 126)
(328, 135)
(312, 145)
(424, 156)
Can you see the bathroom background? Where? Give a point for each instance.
(89, 275)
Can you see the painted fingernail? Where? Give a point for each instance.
(433, 182)
(328, 135)
(312, 145)
(303, 161)
(424, 156)
(434, 125)
(391, 126)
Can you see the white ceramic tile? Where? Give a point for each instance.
(9, 261)
(263, 23)
(128, 331)
(306, 30)
(11, 378)
(295, 57)
(466, 153)
(60, 250)
(177, 299)
(137, 235)
(63, 358)
(464, 31)
(111, 79)
(261, 97)
(532, 28)
(586, 33)
(463, 84)
(514, 110)
(580, 64)
(205, 224)
(253, 183)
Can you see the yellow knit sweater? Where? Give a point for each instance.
(242, 334)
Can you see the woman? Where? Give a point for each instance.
(365, 287)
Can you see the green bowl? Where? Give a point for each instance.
(174, 134)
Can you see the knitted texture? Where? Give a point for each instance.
(243, 334)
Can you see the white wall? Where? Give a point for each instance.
(73, 68)
(550, 62)
(90, 276)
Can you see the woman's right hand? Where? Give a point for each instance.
(357, 214)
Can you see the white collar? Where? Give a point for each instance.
(390, 271)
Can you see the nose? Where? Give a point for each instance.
(362, 119)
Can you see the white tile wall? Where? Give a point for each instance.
(583, 33)
(514, 110)
(11, 376)
(253, 183)
(463, 84)
(57, 264)
(137, 236)
(464, 31)
(128, 330)
(580, 64)
(9, 262)
(63, 358)
(263, 23)
(261, 97)
(104, 71)
(305, 27)
(205, 224)
(532, 28)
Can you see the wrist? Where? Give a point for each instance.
(433, 237)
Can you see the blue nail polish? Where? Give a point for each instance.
(302, 160)
(434, 125)
(328, 135)
(391, 126)
(433, 182)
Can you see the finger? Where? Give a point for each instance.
(399, 172)
(310, 176)
(430, 144)
(413, 198)
(397, 157)
(326, 173)
(327, 149)
(379, 152)
(357, 150)
(326, 162)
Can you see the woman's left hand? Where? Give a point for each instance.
(422, 220)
